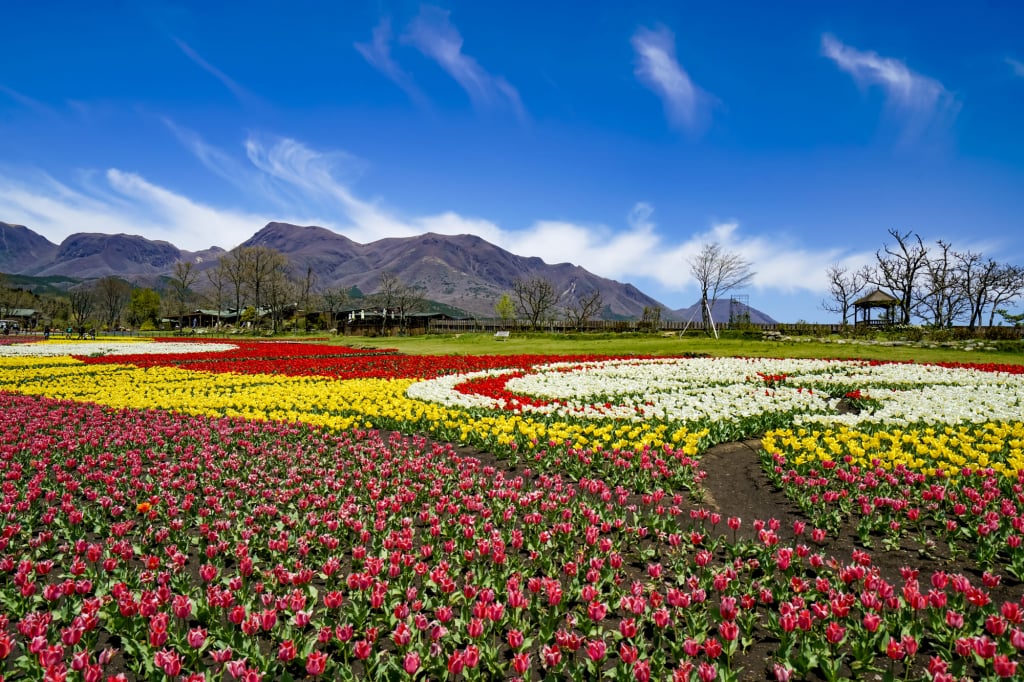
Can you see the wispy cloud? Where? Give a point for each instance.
(433, 34)
(227, 167)
(1017, 66)
(378, 54)
(240, 93)
(27, 102)
(312, 184)
(920, 103)
(313, 174)
(686, 105)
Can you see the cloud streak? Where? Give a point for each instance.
(240, 93)
(918, 102)
(378, 54)
(659, 70)
(27, 102)
(1017, 66)
(433, 34)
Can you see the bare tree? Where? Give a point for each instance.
(586, 306)
(976, 275)
(898, 269)
(182, 296)
(939, 297)
(988, 284)
(82, 302)
(234, 267)
(535, 299)
(1007, 287)
(334, 299)
(55, 308)
(112, 296)
(716, 272)
(216, 288)
(263, 267)
(279, 291)
(306, 286)
(6, 297)
(650, 320)
(844, 287)
(386, 297)
(397, 299)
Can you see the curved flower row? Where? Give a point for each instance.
(125, 349)
(279, 549)
(226, 549)
(694, 389)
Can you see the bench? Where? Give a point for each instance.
(502, 335)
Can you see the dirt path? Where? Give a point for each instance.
(736, 485)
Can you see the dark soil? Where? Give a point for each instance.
(735, 485)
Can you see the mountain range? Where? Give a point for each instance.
(462, 271)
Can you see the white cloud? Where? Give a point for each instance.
(123, 203)
(917, 101)
(1017, 66)
(433, 34)
(658, 69)
(378, 54)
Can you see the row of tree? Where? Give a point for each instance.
(262, 282)
(257, 285)
(936, 285)
(537, 301)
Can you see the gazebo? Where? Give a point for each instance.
(876, 299)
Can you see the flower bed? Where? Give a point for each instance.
(220, 524)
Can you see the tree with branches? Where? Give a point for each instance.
(306, 288)
(1007, 287)
(716, 272)
(181, 282)
(264, 273)
(535, 300)
(585, 307)
(844, 287)
(939, 295)
(82, 302)
(279, 291)
(112, 295)
(334, 298)
(233, 267)
(899, 268)
(216, 289)
(397, 299)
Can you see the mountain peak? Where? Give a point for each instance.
(463, 271)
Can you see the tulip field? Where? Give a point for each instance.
(243, 510)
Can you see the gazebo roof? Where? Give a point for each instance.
(876, 299)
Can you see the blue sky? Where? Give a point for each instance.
(616, 136)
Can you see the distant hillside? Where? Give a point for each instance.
(21, 249)
(724, 311)
(464, 272)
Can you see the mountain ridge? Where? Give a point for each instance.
(464, 271)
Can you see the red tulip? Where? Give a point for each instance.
(316, 663)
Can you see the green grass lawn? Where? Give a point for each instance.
(646, 344)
